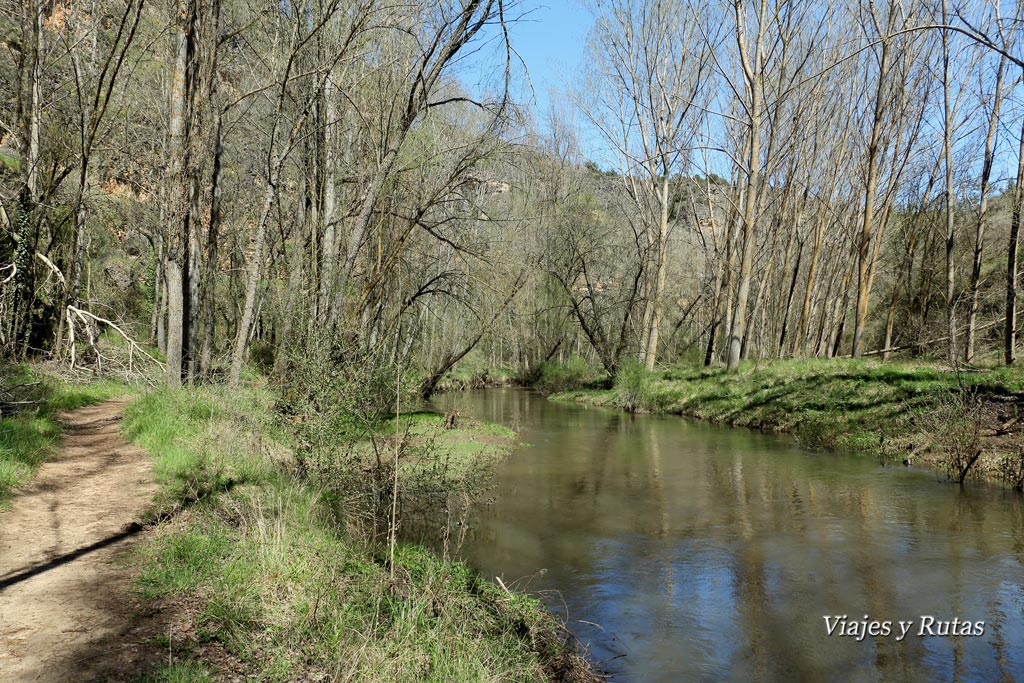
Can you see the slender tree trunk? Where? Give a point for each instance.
(979, 233)
(175, 318)
(331, 243)
(802, 336)
(35, 106)
(659, 287)
(789, 299)
(739, 318)
(868, 218)
(296, 259)
(209, 289)
(758, 304)
(155, 322)
(717, 313)
(890, 317)
(947, 151)
(1010, 333)
(253, 280)
(81, 220)
(178, 228)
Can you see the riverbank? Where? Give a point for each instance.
(912, 413)
(264, 572)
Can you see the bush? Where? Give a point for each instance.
(340, 402)
(1011, 469)
(956, 425)
(634, 388)
(576, 373)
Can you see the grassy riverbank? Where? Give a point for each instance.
(899, 411)
(31, 401)
(268, 575)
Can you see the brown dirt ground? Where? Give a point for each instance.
(67, 610)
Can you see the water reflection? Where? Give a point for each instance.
(683, 551)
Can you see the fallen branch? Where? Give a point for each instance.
(7, 406)
(10, 390)
(85, 317)
(929, 342)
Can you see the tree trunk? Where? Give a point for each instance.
(329, 248)
(175, 318)
(789, 298)
(659, 279)
(209, 289)
(749, 236)
(1010, 332)
(979, 233)
(947, 152)
(255, 268)
(178, 227)
(754, 80)
(867, 220)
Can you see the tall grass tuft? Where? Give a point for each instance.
(634, 388)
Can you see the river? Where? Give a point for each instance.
(682, 551)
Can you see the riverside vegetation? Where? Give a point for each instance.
(290, 561)
(281, 558)
(959, 423)
(314, 213)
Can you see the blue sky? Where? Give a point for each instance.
(550, 39)
(549, 36)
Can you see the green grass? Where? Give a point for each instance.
(180, 672)
(32, 435)
(202, 439)
(273, 577)
(574, 374)
(10, 161)
(862, 405)
(470, 446)
(474, 371)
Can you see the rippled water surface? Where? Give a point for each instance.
(682, 551)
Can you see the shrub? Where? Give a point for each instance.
(956, 425)
(576, 373)
(634, 388)
(1011, 469)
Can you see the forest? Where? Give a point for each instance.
(249, 253)
(231, 182)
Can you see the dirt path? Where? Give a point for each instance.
(64, 588)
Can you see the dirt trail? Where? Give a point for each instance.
(65, 591)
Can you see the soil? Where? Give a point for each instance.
(67, 609)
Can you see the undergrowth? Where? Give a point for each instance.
(574, 374)
(886, 409)
(284, 586)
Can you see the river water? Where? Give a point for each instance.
(681, 551)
